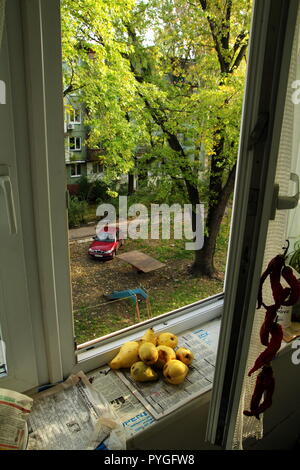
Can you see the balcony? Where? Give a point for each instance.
(93, 155)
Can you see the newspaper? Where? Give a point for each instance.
(161, 398)
(14, 410)
(132, 413)
(65, 417)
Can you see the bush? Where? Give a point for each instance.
(77, 211)
(84, 188)
(98, 191)
(92, 191)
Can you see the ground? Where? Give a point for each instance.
(169, 288)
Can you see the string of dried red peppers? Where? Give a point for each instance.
(271, 333)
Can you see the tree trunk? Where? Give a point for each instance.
(204, 259)
(131, 188)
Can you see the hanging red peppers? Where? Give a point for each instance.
(270, 352)
(264, 388)
(271, 333)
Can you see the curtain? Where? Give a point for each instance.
(250, 427)
(2, 12)
(294, 215)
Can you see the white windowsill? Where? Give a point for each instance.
(211, 330)
(91, 356)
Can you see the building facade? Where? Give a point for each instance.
(80, 160)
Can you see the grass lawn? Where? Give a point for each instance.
(169, 288)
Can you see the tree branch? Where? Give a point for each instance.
(224, 65)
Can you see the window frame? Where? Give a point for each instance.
(73, 111)
(76, 166)
(75, 149)
(41, 22)
(99, 165)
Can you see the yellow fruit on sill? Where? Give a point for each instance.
(165, 354)
(128, 355)
(175, 372)
(148, 353)
(185, 355)
(167, 339)
(142, 372)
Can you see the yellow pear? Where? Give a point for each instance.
(185, 355)
(165, 354)
(148, 353)
(168, 339)
(128, 355)
(175, 372)
(142, 373)
(150, 336)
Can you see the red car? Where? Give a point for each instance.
(106, 244)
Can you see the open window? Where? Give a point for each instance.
(151, 126)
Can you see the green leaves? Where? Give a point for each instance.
(163, 75)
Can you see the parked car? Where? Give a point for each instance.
(106, 244)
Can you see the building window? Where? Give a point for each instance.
(76, 170)
(75, 143)
(75, 116)
(97, 168)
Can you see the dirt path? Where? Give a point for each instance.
(91, 279)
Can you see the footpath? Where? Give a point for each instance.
(82, 232)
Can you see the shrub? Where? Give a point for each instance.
(98, 191)
(92, 191)
(77, 211)
(84, 188)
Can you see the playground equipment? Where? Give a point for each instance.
(136, 295)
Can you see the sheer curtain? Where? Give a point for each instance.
(2, 12)
(294, 215)
(247, 427)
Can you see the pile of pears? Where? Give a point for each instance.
(154, 353)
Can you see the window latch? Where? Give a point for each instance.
(285, 202)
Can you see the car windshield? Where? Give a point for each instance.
(105, 237)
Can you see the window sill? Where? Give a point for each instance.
(141, 427)
(92, 356)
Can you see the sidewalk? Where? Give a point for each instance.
(88, 231)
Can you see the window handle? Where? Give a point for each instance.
(285, 202)
(5, 185)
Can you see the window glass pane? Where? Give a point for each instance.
(75, 143)
(72, 143)
(165, 120)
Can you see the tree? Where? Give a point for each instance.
(167, 74)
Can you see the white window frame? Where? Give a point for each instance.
(76, 166)
(41, 21)
(102, 350)
(72, 118)
(52, 221)
(76, 140)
